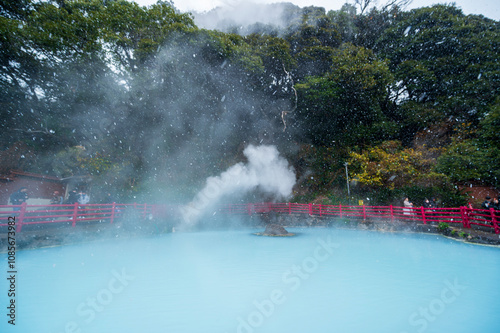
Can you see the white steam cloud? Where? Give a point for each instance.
(265, 170)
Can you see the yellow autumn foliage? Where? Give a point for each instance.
(391, 165)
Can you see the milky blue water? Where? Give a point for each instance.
(322, 280)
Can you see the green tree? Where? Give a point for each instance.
(55, 58)
(373, 24)
(312, 42)
(475, 159)
(345, 19)
(136, 33)
(346, 105)
(445, 62)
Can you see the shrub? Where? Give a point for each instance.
(443, 226)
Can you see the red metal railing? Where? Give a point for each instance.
(53, 214)
(461, 215)
(75, 213)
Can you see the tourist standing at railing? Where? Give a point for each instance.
(428, 205)
(407, 206)
(486, 203)
(72, 197)
(434, 203)
(19, 197)
(83, 198)
(495, 204)
(57, 198)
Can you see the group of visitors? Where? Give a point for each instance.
(81, 197)
(489, 203)
(74, 196)
(428, 205)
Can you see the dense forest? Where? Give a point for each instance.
(149, 104)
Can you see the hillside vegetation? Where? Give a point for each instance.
(149, 104)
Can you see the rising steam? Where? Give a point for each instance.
(265, 170)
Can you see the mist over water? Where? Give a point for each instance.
(328, 280)
(265, 171)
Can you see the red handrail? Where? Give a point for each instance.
(75, 213)
(455, 215)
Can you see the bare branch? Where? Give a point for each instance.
(362, 4)
(44, 131)
(401, 4)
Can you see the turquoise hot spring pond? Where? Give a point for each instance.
(323, 280)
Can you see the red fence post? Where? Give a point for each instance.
(19, 220)
(113, 206)
(464, 214)
(310, 208)
(75, 213)
(320, 210)
(289, 208)
(340, 210)
(494, 221)
(364, 213)
(392, 214)
(423, 214)
(249, 209)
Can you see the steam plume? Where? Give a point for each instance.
(265, 170)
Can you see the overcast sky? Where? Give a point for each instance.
(488, 8)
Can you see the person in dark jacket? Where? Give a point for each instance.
(495, 204)
(486, 203)
(57, 198)
(427, 203)
(434, 203)
(18, 197)
(72, 197)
